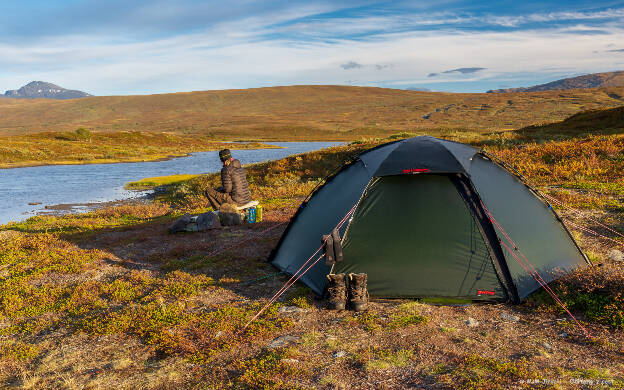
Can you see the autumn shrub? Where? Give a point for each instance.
(596, 291)
(594, 158)
(18, 351)
(266, 371)
(480, 372)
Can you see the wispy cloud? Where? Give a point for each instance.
(464, 70)
(121, 47)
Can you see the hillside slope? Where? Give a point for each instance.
(603, 122)
(301, 112)
(594, 80)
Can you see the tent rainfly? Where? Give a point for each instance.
(429, 220)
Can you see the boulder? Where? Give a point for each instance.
(230, 216)
(291, 309)
(509, 317)
(283, 341)
(471, 322)
(231, 219)
(616, 255)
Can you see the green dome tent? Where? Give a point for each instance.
(431, 217)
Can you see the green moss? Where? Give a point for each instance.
(369, 321)
(151, 182)
(384, 360)
(299, 297)
(402, 320)
(401, 135)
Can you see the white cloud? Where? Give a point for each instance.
(238, 55)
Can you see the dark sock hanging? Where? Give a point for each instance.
(337, 245)
(328, 249)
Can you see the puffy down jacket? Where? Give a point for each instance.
(234, 182)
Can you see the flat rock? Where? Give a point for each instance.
(283, 341)
(339, 354)
(290, 361)
(509, 317)
(291, 309)
(471, 322)
(547, 346)
(616, 255)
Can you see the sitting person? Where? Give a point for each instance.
(234, 188)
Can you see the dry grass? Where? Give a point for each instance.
(302, 112)
(109, 299)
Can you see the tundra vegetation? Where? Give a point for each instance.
(108, 299)
(83, 146)
(302, 113)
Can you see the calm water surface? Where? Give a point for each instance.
(92, 183)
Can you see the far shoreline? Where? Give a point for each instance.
(30, 164)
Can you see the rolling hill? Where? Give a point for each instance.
(302, 112)
(594, 122)
(594, 80)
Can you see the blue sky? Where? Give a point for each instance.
(118, 47)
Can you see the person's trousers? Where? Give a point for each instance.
(217, 198)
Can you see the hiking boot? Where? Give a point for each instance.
(358, 294)
(337, 291)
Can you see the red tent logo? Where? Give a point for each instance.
(416, 170)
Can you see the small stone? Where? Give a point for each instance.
(547, 346)
(219, 334)
(339, 354)
(509, 317)
(471, 322)
(290, 361)
(563, 334)
(283, 341)
(616, 255)
(291, 309)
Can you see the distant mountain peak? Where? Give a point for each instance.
(593, 80)
(44, 90)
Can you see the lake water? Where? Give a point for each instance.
(93, 183)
